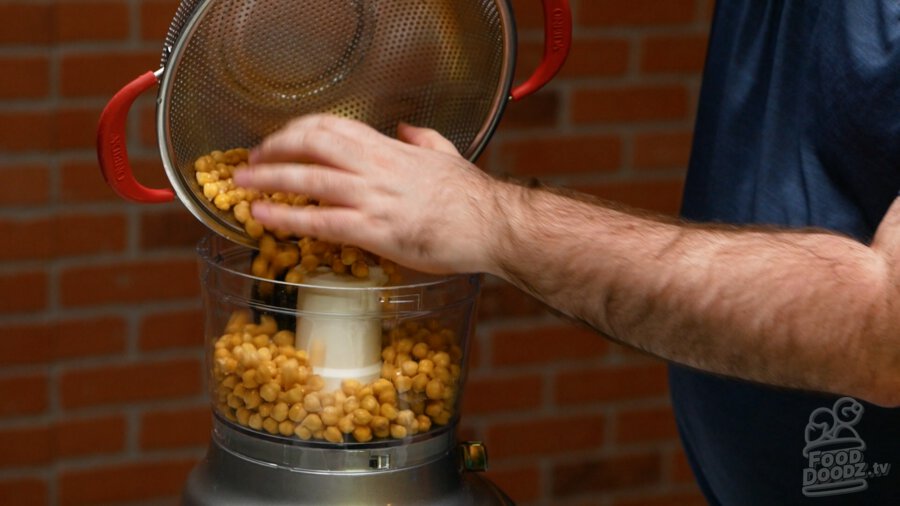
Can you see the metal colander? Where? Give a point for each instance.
(234, 71)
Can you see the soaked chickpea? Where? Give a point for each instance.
(263, 382)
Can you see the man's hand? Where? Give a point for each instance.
(415, 200)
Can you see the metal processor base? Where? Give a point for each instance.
(245, 469)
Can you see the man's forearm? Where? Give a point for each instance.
(801, 309)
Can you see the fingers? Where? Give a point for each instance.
(426, 138)
(322, 139)
(322, 183)
(333, 224)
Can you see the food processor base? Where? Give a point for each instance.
(224, 478)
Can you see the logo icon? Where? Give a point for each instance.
(835, 452)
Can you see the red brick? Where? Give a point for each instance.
(83, 234)
(492, 395)
(65, 235)
(26, 23)
(103, 74)
(130, 282)
(561, 155)
(25, 447)
(23, 395)
(24, 77)
(611, 384)
(138, 481)
(77, 128)
(693, 498)
(92, 21)
(45, 342)
(150, 172)
(170, 228)
(82, 181)
(139, 381)
(538, 110)
(90, 337)
(631, 104)
(529, 14)
(605, 474)
(652, 424)
(545, 436)
(27, 344)
(25, 185)
(94, 436)
(662, 150)
(27, 131)
(673, 54)
(147, 127)
(659, 196)
(34, 238)
(681, 468)
(520, 484)
(542, 345)
(156, 16)
(23, 491)
(30, 289)
(635, 12)
(176, 428)
(177, 329)
(604, 57)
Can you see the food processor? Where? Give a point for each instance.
(327, 388)
(334, 392)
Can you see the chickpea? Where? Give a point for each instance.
(312, 403)
(441, 359)
(280, 412)
(265, 409)
(434, 389)
(419, 383)
(389, 411)
(350, 386)
(361, 417)
(303, 433)
(360, 269)
(443, 418)
(346, 425)
(370, 404)
(333, 435)
(409, 368)
(254, 228)
(433, 408)
(388, 397)
(286, 428)
(255, 421)
(297, 413)
(331, 415)
(405, 418)
(313, 422)
(252, 400)
(424, 423)
(270, 426)
(388, 354)
(249, 378)
(420, 350)
(362, 434)
(294, 395)
(404, 345)
(270, 391)
(243, 416)
(402, 383)
(398, 431)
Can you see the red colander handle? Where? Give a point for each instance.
(557, 41)
(111, 140)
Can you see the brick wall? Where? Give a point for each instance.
(100, 360)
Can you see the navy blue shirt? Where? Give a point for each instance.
(798, 125)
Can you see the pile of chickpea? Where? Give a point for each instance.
(281, 253)
(263, 382)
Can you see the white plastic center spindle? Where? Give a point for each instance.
(339, 326)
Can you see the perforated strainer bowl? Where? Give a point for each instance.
(234, 71)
